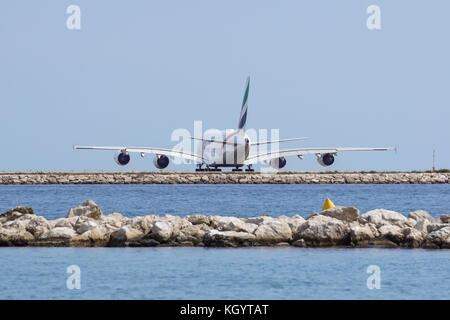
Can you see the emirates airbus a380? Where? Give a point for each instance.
(230, 149)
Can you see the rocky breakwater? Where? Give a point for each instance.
(222, 178)
(87, 226)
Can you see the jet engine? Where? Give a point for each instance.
(161, 161)
(278, 163)
(326, 159)
(122, 158)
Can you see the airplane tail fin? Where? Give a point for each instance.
(243, 116)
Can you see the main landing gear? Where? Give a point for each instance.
(249, 168)
(199, 168)
(208, 168)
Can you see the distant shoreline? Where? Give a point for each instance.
(18, 178)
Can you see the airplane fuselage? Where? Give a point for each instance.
(228, 149)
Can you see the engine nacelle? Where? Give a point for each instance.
(161, 161)
(122, 158)
(325, 160)
(278, 163)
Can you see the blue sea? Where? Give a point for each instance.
(208, 273)
(54, 201)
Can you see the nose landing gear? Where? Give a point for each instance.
(199, 168)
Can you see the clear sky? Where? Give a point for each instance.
(137, 70)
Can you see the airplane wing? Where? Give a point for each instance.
(300, 152)
(143, 150)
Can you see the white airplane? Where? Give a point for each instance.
(230, 149)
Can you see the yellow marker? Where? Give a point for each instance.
(327, 204)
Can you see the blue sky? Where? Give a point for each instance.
(137, 70)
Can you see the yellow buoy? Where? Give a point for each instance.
(327, 204)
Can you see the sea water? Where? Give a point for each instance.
(54, 201)
(224, 273)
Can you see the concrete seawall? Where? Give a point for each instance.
(220, 178)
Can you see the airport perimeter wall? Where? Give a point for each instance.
(8, 178)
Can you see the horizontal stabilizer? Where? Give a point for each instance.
(277, 141)
(213, 140)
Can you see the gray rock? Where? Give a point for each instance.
(381, 217)
(15, 237)
(86, 226)
(235, 224)
(445, 218)
(125, 233)
(392, 233)
(59, 234)
(36, 225)
(294, 222)
(347, 214)
(88, 209)
(321, 230)
(337, 226)
(193, 234)
(361, 234)
(143, 224)
(259, 220)
(228, 238)
(15, 213)
(114, 219)
(421, 214)
(438, 238)
(299, 243)
(176, 222)
(413, 237)
(15, 224)
(97, 236)
(162, 231)
(198, 219)
(422, 225)
(312, 215)
(81, 220)
(436, 226)
(273, 232)
(64, 222)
